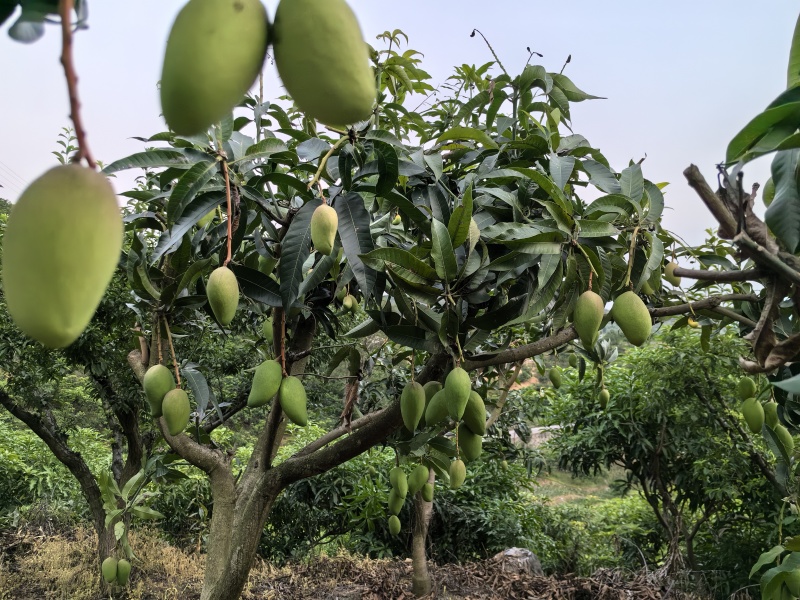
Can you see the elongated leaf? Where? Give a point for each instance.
(188, 187)
(442, 252)
(199, 386)
(148, 160)
(783, 215)
(388, 165)
(263, 149)
(570, 90)
(145, 512)
(602, 177)
(458, 227)
(411, 337)
(760, 126)
(318, 273)
(468, 133)
(354, 231)
(547, 184)
(397, 257)
(593, 229)
(632, 182)
(793, 72)
(295, 248)
(131, 485)
(198, 208)
(312, 149)
(383, 136)
(656, 202)
(561, 169)
(257, 286)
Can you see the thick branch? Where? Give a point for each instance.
(709, 303)
(765, 258)
(208, 460)
(720, 276)
(522, 352)
(726, 312)
(727, 223)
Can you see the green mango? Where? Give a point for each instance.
(669, 274)
(292, 396)
(323, 60)
(324, 224)
(394, 525)
(458, 386)
(123, 572)
(266, 330)
(436, 411)
(109, 569)
(771, 414)
(157, 382)
(475, 414)
(746, 388)
(396, 502)
(588, 316)
(223, 294)
(555, 377)
(632, 316)
(207, 218)
(470, 443)
(785, 437)
(573, 360)
(61, 246)
(603, 397)
(176, 410)
(266, 265)
(427, 492)
(214, 54)
(430, 389)
(412, 405)
(266, 383)
(399, 481)
(350, 303)
(753, 414)
(458, 473)
(418, 478)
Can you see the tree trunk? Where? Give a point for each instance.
(421, 582)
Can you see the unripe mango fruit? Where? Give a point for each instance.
(176, 410)
(603, 397)
(266, 330)
(223, 294)
(470, 443)
(458, 387)
(412, 405)
(157, 382)
(215, 51)
(109, 569)
(60, 248)
(323, 60)
(746, 388)
(418, 478)
(427, 492)
(587, 317)
(436, 410)
(123, 572)
(753, 414)
(266, 265)
(669, 274)
(292, 396)
(633, 318)
(771, 414)
(324, 223)
(475, 414)
(207, 218)
(458, 473)
(555, 377)
(399, 481)
(396, 502)
(394, 525)
(266, 383)
(349, 303)
(785, 437)
(573, 360)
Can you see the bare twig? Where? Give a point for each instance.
(65, 8)
(721, 276)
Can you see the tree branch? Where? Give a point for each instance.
(711, 303)
(720, 276)
(522, 352)
(727, 223)
(726, 312)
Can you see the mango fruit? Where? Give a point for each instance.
(157, 382)
(223, 294)
(458, 387)
(771, 414)
(470, 443)
(176, 410)
(427, 492)
(573, 360)
(587, 317)
(292, 396)
(266, 383)
(349, 303)
(266, 330)
(394, 525)
(647, 289)
(746, 388)
(109, 569)
(323, 60)
(412, 405)
(399, 481)
(418, 478)
(430, 390)
(753, 414)
(398, 220)
(436, 410)
(123, 572)
(475, 414)
(207, 218)
(324, 223)
(633, 318)
(266, 265)
(60, 248)
(458, 473)
(669, 274)
(603, 397)
(785, 437)
(396, 502)
(214, 53)
(554, 375)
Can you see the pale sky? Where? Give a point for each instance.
(680, 78)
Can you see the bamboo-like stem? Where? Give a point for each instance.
(230, 216)
(172, 352)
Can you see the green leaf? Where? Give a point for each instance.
(632, 182)
(791, 385)
(119, 530)
(570, 90)
(602, 177)
(656, 202)
(192, 273)
(199, 386)
(318, 274)
(561, 169)
(388, 167)
(458, 227)
(468, 133)
(131, 484)
(442, 252)
(295, 249)
(411, 337)
(188, 187)
(548, 185)
(354, 222)
(767, 557)
(145, 512)
(263, 149)
(397, 257)
(793, 72)
(257, 286)
(198, 208)
(760, 126)
(783, 215)
(149, 160)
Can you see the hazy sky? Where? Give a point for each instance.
(680, 78)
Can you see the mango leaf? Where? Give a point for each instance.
(793, 72)
(767, 557)
(131, 484)
(187, 188)
(119, 530)
(561, 169)
(442, 252)
(397, 257)
(791, 385)
(783, 215)
(602, 177)
(547, 184)
(263, 149)
(198, 208)
(257, 286)
(295, 249)
(388, 166)
(632, 182)
(199, 386)
(458, 227)
(149, 160)
(312, 149)
(145, 512)
(760, 126)
(570, 90)
(354, 222)
(319, 273)
(656, 202)
(772, 580)
(411, 337)
(468, 133)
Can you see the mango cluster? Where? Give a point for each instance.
(165, 399)
(268, 381)
(756, 414)
(216, 49)
(116, 571)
